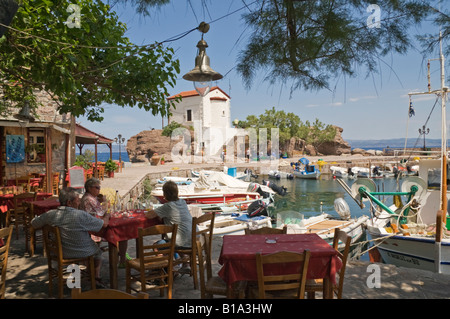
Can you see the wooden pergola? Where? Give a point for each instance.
(84, 136)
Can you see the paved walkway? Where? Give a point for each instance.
(27, 278)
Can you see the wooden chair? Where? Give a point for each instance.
(101, 172)
(190, 255)
(155, 261)
(24, 181)
(57, 263)
(55, 184)
(288, 285)
(214, 285)
(16, 215)
(266, 230)
(32, 236)
(312, 286)
(105, 294)
(5, 237)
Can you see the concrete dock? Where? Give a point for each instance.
(27, 277)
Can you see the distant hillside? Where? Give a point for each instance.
(393, 143)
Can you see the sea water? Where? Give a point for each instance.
(312, 197)
(104, 156)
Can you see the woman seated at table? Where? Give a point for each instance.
(175, 211)
(96, 204)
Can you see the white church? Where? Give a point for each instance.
(209, 116)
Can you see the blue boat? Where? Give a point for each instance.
(303, 169)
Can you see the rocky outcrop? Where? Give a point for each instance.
(336, 147)
(143, 146)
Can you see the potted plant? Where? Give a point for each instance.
(162, 160)
(110, 167)
(36, 153)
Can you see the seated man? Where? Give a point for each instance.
(74, 225)
(175, 211)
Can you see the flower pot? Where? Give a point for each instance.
(111, 174)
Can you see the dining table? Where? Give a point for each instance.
(42, 206)
(7, 203)
(123, 226)
(238, 257)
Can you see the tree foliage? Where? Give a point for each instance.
(308, 43)
(81, 67)
(289, 126)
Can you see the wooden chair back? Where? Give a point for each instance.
(57, 262)
(341, 236)
(24, 181)
(105, 294)
(19, 210)
(266, 230)
(293, 282)
(55, 184)
(199, 232)
(5, 241)
(211, 285)
(31, 238)
(155, 260)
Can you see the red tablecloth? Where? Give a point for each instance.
(126, 228)
(42, 206)
(7, 200)
(239, 261)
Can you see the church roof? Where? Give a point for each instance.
(195, 93)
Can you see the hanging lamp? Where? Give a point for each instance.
(202, 74)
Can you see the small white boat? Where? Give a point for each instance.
(338, 171)
(311, 172)
(231, 224)
(239, 175)
(280, 174)
(177, 180)
(324, 224)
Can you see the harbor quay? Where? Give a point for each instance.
(27, 277)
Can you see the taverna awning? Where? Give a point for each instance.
(85, 136)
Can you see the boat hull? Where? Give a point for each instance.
(324, 226)
(228, 225)
(412, 251)
(219, 198)
(306, 175)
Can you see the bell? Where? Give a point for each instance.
(202, 74)
(24, 114)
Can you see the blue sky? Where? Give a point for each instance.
(366, 108)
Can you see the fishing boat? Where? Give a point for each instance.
(303, 169)
(218, 187)
(233, 222)
(245, 176)
(325, 224)
(414, 234)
